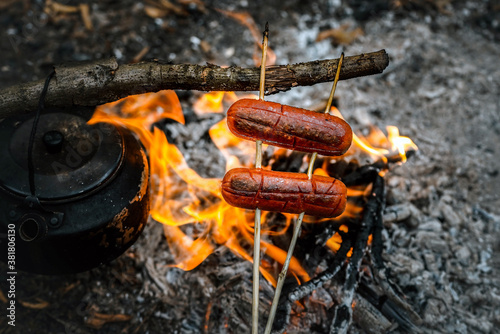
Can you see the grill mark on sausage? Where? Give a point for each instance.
(270, 126)
(337, 206)
(331, 186)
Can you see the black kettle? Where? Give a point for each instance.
(91, 193)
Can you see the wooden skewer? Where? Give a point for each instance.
(298, 223)
(263, 63)
(258, 164)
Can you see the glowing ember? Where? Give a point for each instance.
(196, 220)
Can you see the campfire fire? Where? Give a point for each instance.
(415, 244)
(195, 218)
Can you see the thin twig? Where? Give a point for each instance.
(334, 86)
(255, 273)
(258, 153)
(102, 81)
(311, 165)
(263, 63)
(282, 275)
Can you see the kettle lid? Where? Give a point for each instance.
(70, 157)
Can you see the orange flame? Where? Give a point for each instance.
(237, 152)
(209, 103)
(180, 196)
(195, 218)
(400, 143)
(379, 146)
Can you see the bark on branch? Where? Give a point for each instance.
(98, 82)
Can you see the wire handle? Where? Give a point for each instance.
(41, 106)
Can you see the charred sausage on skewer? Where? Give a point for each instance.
(252, 188)
(289, 127)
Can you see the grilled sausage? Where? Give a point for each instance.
(252, 188)
(289, 127)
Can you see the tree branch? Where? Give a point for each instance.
(102, 81)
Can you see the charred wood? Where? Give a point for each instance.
(372, 210)
(369, 318)
(376, 297)
(389, 306)
(396, 308)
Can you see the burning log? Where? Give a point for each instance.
(369, 318)
(373, 209)
(98, 82)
